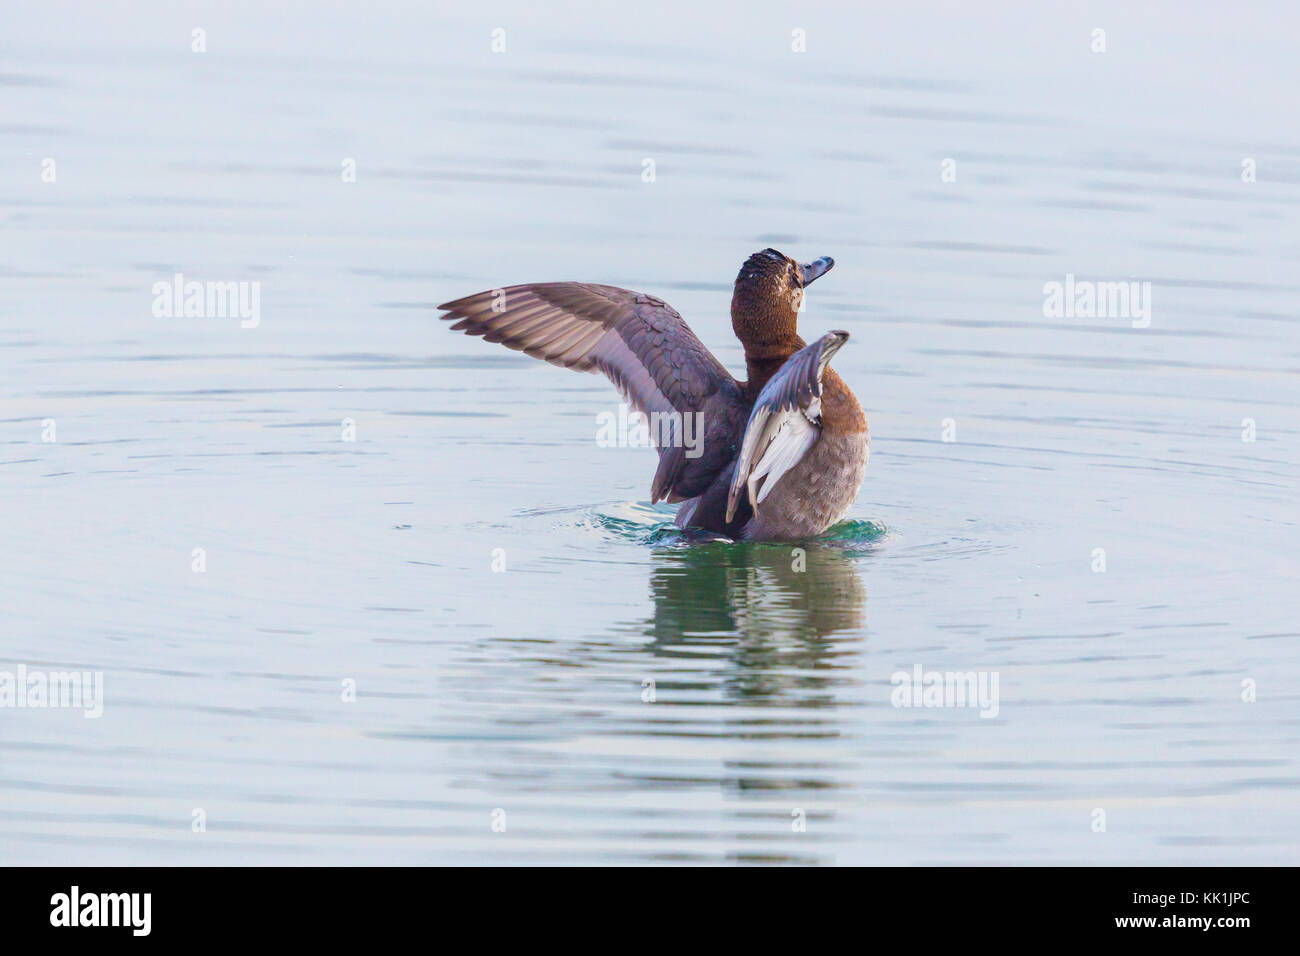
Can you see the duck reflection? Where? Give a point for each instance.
(779, 614)
(767, 627)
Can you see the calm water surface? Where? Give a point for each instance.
(524, 690)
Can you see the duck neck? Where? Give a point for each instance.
(765, 360)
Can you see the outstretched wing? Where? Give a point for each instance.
(785, 422)
(638, 341)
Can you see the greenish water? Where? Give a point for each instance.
(653, 525)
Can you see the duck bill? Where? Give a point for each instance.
(816, 269)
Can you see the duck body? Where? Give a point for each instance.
(821, 486)
(778, 456)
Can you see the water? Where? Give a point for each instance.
(525, 690)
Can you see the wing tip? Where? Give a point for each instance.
(833, 341)
(733, 496)
(458, 305)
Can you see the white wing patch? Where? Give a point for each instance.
(792, 434)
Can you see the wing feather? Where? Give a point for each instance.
(638, 341)
(785, 422)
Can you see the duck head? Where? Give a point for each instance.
(767, 298)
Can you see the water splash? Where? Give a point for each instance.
(856, 531)
(652, 525)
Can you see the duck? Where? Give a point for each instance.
(778, 456)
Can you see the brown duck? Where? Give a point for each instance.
(780, 456)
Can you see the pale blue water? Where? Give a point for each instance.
(522, 690)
